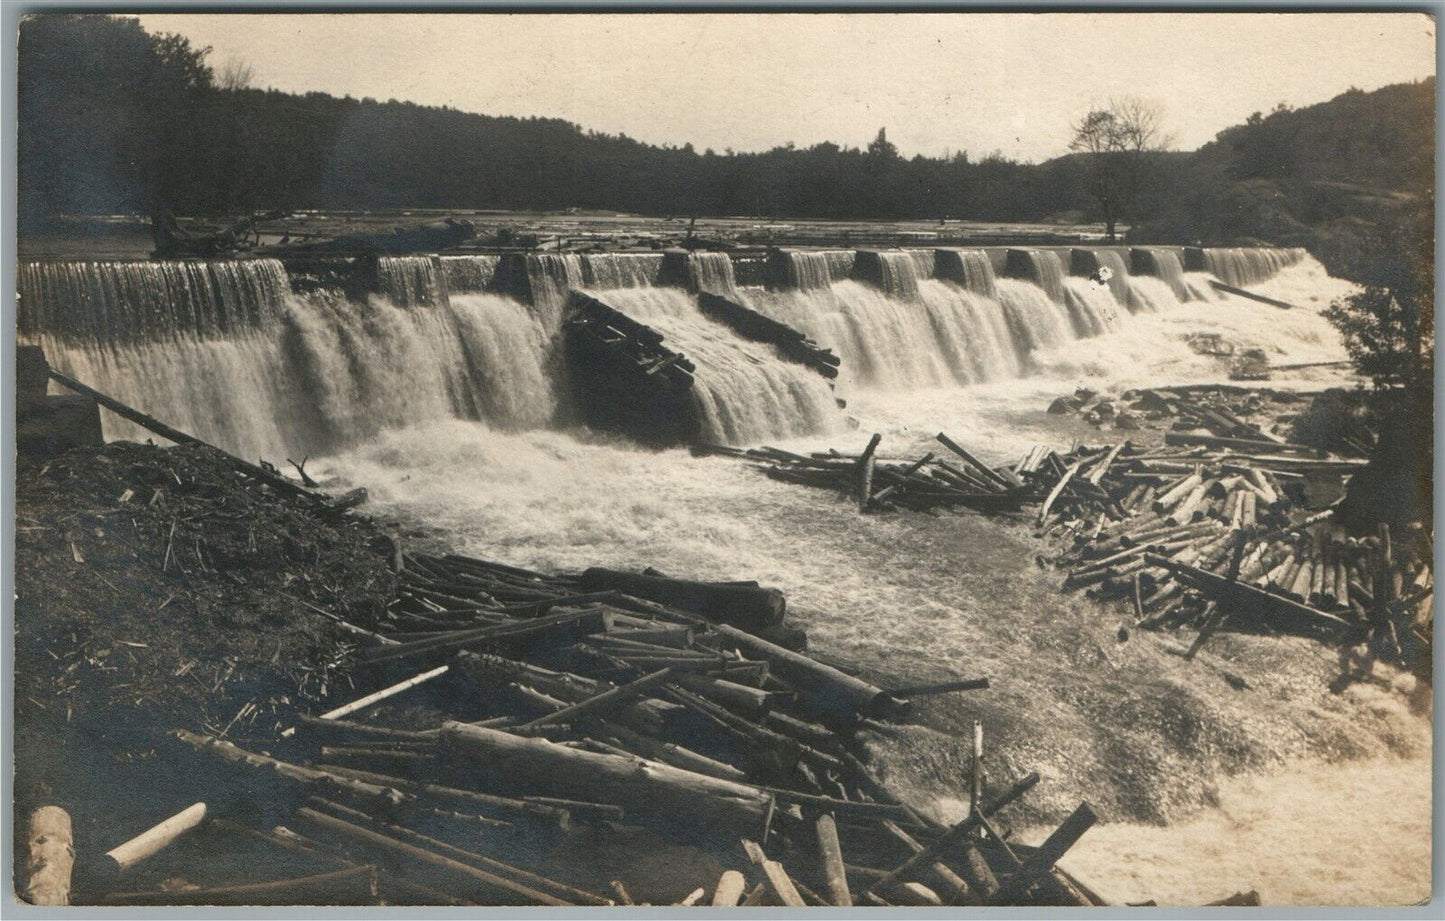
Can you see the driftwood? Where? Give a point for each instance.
(176, 435)
(643, 788)
(151, 841)
(393, 848)
(50, 857)
(830, 855)
(743, 605)
(351, 886)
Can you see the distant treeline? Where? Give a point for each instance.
(114, 119)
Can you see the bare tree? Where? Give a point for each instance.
(1121, 141)
(235, 74)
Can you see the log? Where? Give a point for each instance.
(378, 696)
(825, 689)
(602, 702)
(942, 687)
(1042, 860)
(377, 842)
(383, 797)
(989, 474)
(642, 788)
(830, 854)
(533, 807)
(958, 889)
(865, 483)
(729, 889)
(348, 886)
(750, 607)
(980, 877)
(176, 435)
(781, 885)
(1057, 491)
(50, 857)
(153, 840)
(505, 870)
(576, 623)
(1240, 292)
(955, 835)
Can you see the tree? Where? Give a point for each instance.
(235, 74)
(1120, 141)
(1389, 327)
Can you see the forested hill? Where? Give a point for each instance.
(114, 119)
(1282, 176)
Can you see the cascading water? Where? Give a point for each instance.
(620, 270)
(1093, 308)
(745, 392)
(469, 274)
(299, 375)
(808, 269)
(896, 272)
(1244, 267)
(711, 272)
(412, 281)
(550, 276)
(1163, 264)
(1036, 320)
(124, 301)
(945, 335)
(1042, 267)
(970, 268)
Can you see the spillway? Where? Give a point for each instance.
(225, 348)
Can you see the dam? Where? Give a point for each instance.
(264, 356)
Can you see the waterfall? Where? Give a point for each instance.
(1035, 319)
(894, 271)
(970, 268)
(549, 277)
(947, 335)
(469, 274)
(711, 272)
(1041, 266)
(126, 301)
(1086, 262)
(1149, 294)
(1244, 267)
(1093, 309)
(326, 373)
(1161, 263)
(412, 281)
(744, 392)
(808, 269)
(621, 270)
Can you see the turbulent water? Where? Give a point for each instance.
(443, 407)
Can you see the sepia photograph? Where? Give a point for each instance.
(796, 459)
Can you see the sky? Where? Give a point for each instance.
(938, 82)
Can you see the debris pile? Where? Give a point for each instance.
(494, 735)
(1224, 524)
(925, 484)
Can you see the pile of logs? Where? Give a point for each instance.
(925, 484)
(605, 700)
(750, 324)
(623, 377)
(1210, 529)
